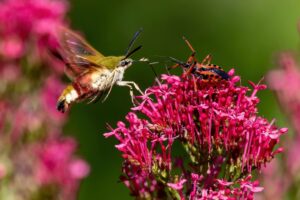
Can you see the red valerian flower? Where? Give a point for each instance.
(218, 126)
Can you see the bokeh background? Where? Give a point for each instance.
(245, 35)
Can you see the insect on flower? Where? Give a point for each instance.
(92, 73)
(205, 70)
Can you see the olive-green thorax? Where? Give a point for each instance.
(110, 62)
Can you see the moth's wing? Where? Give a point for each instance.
(78, 55)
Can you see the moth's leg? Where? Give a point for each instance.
(124, 83)
(130, 84)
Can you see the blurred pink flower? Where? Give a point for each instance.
(218, 126)
(25, 117)
(12, 48)
(2, 171)
(9, 73)
(293, 157)
(22, 17)
(57, 165)
(49, 95)
(289, 97)
(30, 82)
(276, 182)
(79, 169)
(3, 108)
(29, 27)
(282, 176)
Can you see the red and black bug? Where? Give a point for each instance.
(204, 70)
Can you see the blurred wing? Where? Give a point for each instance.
(78, 55)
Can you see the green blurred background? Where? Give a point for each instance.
(242, 34)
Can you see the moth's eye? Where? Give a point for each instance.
(124, 63)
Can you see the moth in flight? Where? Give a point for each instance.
(92, 73)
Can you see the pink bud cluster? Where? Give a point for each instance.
(215, 126)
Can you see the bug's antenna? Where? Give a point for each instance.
(135, 36)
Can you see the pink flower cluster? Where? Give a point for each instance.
(215, 126)
(36, 161)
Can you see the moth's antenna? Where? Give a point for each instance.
(167, 59)
(146, 60)
(132, 42)
(153, 70)
(167, 69)
(133, 51)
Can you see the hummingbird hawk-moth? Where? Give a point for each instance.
(92, 73)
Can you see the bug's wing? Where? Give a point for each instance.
(78, 55)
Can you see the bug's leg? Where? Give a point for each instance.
(189, 71)
(191, 62)
(195, 79)
(173, 66)
(192, 58)
(206, 60)
(177, 63)
(189, 45)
